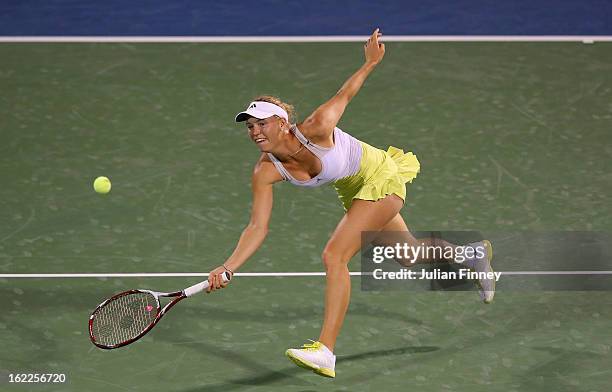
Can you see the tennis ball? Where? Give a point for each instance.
(102, 185)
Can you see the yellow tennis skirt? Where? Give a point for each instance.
(381, 173)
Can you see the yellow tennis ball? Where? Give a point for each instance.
(102, 185)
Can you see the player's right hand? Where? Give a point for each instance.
(215, 280)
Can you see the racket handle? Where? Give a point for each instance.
(196, 288)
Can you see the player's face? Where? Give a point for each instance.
(264, 132)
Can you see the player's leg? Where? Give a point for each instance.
(430, 249)
(396, 231)
(344, 243)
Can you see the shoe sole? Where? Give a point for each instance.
(489, 248)
(310, 366)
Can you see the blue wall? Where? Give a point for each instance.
(314, 17)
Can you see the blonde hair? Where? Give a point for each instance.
(276, 101)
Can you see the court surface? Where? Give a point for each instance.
(511, 136)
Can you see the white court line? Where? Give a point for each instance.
(164, 275)
(325, 38)
(261, 274)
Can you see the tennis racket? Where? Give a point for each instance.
(126, 317)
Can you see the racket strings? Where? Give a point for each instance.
(124, 318)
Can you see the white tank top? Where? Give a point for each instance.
(339, 161)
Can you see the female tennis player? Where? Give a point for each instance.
(370, 184)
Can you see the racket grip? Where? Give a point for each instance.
(196, 288)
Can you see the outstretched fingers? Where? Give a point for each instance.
(374, 50)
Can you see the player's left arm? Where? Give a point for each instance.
(321, 123)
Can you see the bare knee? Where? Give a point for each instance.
(333, 258)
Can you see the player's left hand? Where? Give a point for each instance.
(374, 51)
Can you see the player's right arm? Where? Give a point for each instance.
(262, 181)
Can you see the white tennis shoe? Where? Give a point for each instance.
(314, 356)
(486, 286)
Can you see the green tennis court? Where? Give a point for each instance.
(510, 136)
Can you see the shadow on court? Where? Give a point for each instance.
(289, 375)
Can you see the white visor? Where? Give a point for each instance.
(262, 110)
